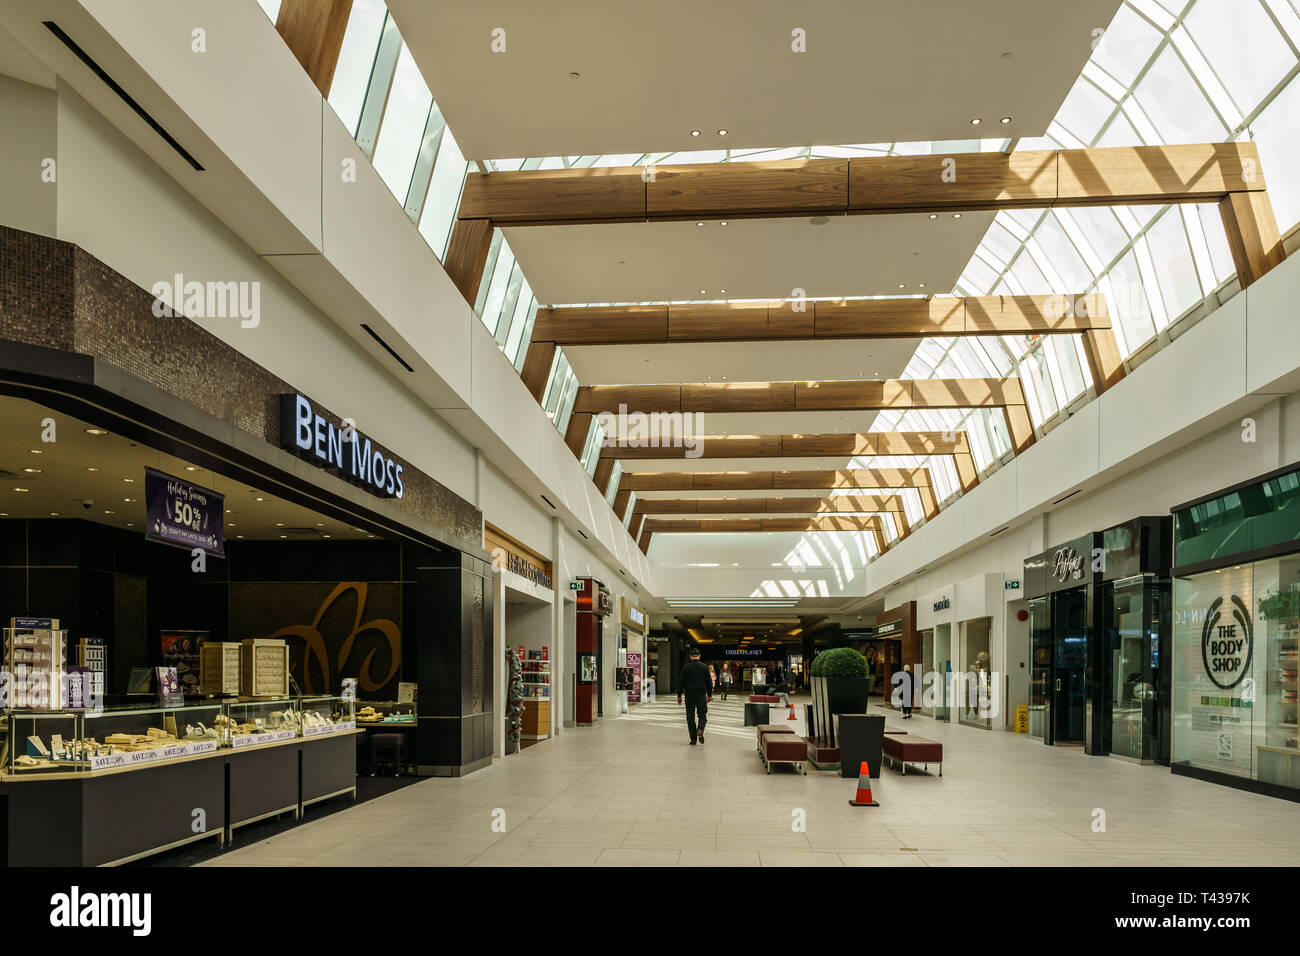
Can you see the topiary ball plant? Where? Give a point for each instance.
(839, 662)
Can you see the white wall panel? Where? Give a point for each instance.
(29, 120)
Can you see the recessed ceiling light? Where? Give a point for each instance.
(284, 536)
(1005, 120)
(190, 468)
(934, 215)
(36, 451)
(239, 536)
(129, 501)
(129, 481)
(704, 292)
(722, 132)
(722, 291)
(91, 468)
(19, 490)
(32, 471)
(279, 524)
(695, 132)
(956, 215)
(723, 223)
(900, 285)
(54, 514)
(261, 499)
(320, 524)
(699, 224)
(108, 512)
(130, 524)
(324, 536)
(976, 121)
(96, 431)
(921, 285)
(228, 511)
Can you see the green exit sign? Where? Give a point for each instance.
(1012, 585)
(575, 585)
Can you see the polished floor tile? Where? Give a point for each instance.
(631, 792)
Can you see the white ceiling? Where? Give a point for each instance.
(64, 483)
(796, 361)
(750, 258)
(873, 70)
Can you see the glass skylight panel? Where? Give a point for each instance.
(1062, 255)
(1085, 110)
(1217, 239)
(1029, 277)
(1101, 229)
(1171, 257)
(444, 195)
(518, 320)
(271, 8)
(565, 410)
(1277, 136)
(402, 129)
(356, 60)
(1001, 243)
(1242, 45)
(1127, 45)
(496, 295)
(1171, 99)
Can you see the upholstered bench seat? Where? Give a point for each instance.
(908, 748)
(762, 729)
(764, 699)
(783, 748)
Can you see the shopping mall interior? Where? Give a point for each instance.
(729, 434)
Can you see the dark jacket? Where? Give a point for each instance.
(695, 679)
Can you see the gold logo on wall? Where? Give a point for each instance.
(315, 644)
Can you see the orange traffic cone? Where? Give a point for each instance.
(863, 798)
(792, 716)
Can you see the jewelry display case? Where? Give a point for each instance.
(253, 722)
(326, 715)
(123, 736)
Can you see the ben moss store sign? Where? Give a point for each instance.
(342, 450)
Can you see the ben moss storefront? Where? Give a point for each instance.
(120, 429)
(1237, 618)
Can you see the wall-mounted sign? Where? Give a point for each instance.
(1011, 585)
(1067, 565)
(575, 585)
(942, 604)
(1227, 648)
(345, 451)
(890, 627)
(633, 616)
(510, 555)
(183, 514)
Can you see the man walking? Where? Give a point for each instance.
(697, 685)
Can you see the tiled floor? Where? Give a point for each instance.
(630, 791)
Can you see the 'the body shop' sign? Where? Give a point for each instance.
(343, 450)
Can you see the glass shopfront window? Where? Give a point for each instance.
(1040, 645)
(977, 667)
(1235, 666)
(943, 664)
(1134, 617)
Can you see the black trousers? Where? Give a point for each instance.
(697, 713)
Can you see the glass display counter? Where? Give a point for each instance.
(372, 713)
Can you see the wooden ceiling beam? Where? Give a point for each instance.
(839, 504)
(1198, 173)
(822, 319)
(789, 446)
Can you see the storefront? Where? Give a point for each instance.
(934, 622)
(897, 643)
(594, 608)
(631, 652)
(238, 582)
(525, 621)
(1099, 626)
(1237, 618)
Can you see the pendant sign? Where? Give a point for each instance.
(183, 514)
(344, 451)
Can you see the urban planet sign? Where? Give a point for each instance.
(345, 451)
(1067, 564)
(1227, 649)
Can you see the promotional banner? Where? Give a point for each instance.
(634, 665)
(183, 514)
(180, 651)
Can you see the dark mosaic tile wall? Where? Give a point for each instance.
(55, 294)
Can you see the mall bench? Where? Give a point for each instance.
(908, 748)
(769, 729)
(782, 748)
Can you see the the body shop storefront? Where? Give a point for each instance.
(1237, 616)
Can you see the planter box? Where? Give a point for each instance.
(836, 695)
